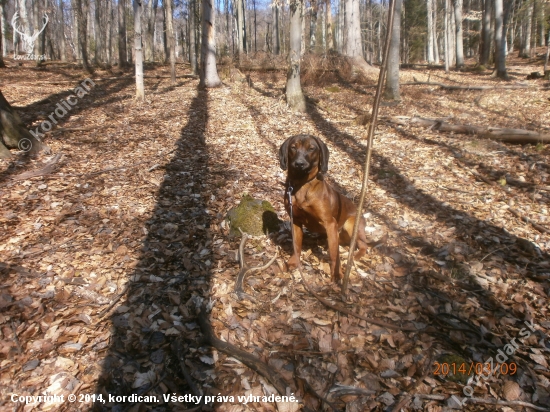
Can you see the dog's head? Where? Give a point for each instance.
(303, 155)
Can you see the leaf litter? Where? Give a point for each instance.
(105, 259)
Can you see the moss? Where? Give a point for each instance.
(255, 217)
(453, 368)
(333, 89)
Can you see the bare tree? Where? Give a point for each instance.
(276, 38)
(313, 24)
(122, 52)
(170, 35)
(138, 50)
(353, 45)
(485, 46)
(81, 7)
(500, 41)
(458, 33)
(294, 96)
(391, 91)
(192, 38)
(330, 31)
(429, 6)
(208, 70)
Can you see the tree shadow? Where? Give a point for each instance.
(172, 272)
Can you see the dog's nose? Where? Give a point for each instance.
(300, 164)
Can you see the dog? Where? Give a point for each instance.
(315, 204)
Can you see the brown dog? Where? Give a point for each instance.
(315, 204)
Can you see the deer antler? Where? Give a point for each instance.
(35, 34)
(14, 25)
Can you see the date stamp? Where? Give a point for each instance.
(473, 368)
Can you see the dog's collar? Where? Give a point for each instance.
(289, 185)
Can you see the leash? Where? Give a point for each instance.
(289, 193)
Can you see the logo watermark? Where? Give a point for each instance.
(502, 356)
(61, 110)
(28, 39)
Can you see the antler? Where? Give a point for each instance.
(35, 34)
(14, 25)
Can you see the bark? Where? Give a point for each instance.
(241, 46)
(170, 35)
(526, 43)
(276, 36)
(436, 44)
(4, 46)
(500, 41)
(2, 37)
(294, 96)
(122, 52)
(446, 28)
(313, 24)
(330, 31)
(82, 7)
(62, 50)
(151, 17)
(459, 34)
(430, 29)
(138, 50)
(208, 70)
(391, 91)
(485, 44)
(13, 134)
(97, 34)
(109, 40)
(542, 25)
(192, 38)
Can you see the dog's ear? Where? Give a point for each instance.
(323, 159)
(283, 154)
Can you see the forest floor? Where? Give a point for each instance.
(104, 260)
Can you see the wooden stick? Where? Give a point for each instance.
(249, 360)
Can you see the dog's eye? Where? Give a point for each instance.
(311, 149)
(293, 148)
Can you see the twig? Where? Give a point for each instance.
(527, 220)
(176, 347)
(351, 313)
(114, 301)
(245, 270)
(323, 399)
(47, 169)
(249, 360)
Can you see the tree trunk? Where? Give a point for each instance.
(209, 72)
(2, 37)
(122, 53)
(430, 29)
(313, 24)
(170, 35)
(542, 24)
(446, 28)
(330, 30)
(276, 36)
(436, 43)
(459, 34)
(500, 41)
(485, 45)
(151, 17)
(294, 96)
(240, 28)
(109, 37)
(526, 46)
(97, 33)
(391, 91)
(192, 38)
(82, 7)
(13, 134)
(138, 50)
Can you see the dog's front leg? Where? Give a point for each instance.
(297, 236)
(333, 242)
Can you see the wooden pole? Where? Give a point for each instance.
(371, 129)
